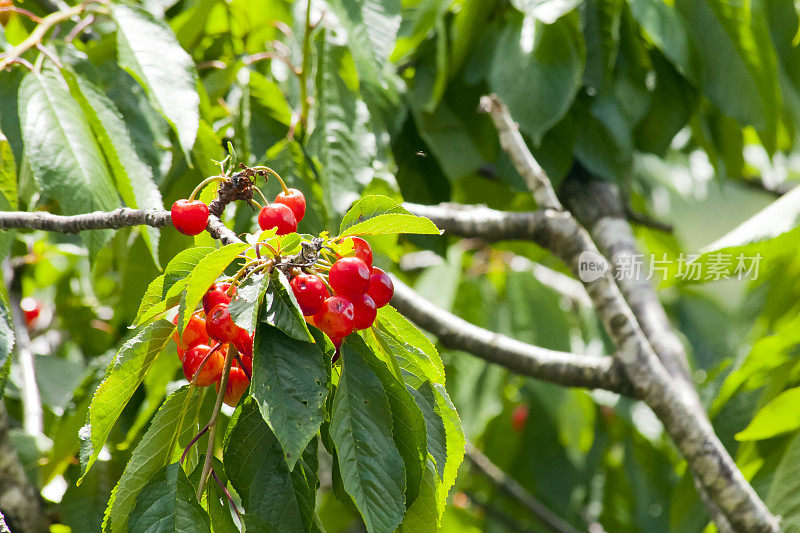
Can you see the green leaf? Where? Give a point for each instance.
(783, 498)
(538, 77)
(377, 214)
(423, 515)
(339, 139)
(255, 465)
(62, 152)
(281, 310)
(133, 178)
(202, 276)
(6, 344)
(731, 47)
(664, 27)
(167, 504)
(8, 176)
(172, 428)
(411, 344)
(148, 51)
(290, 384)
(776, 418)
(408, 423)
(244, 307)
(165, 291)
(123, 376)
(361, 429)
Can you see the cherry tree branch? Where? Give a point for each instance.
(568, 369)
(670, 399)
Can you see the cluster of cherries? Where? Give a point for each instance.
(359, 290)
(203, 363)
(190, 217)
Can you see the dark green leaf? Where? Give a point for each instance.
(281, 309)
(167, 504)
(149, 51)
(244, 307)
(290, 385)
(62, 151)
(255, 465)
(371, 466)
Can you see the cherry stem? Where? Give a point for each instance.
(241, 365)
(192, 443)
(203, 184)
(212, 423)
(228, 494)
(266, 202)
(280, 179)
(271, 249)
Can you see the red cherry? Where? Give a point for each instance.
(220, 326)
(277, 216)
(31, 309)
(211, 371)
(362, 250)
(216, 294)
(193, 334)
(381, 288)
(190, 218)
(310, 292)
(365, 311)
(336, 318)
(519, 417)
(247, 362)
(237, 384)
(338, 344)
(244, 343)
(349, 276)
(294, 201)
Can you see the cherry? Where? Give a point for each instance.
(294, 201)
(338, 344)
(194, 333)
(310, 292)
(190, 218)
(237, 384)
(211, 371)
(519, 417)
(336, 318)
(365, 311)
(220, 326)
(244, 343)
(381, 288)
(31, 309)
(216, 294)
(362, 250)
(277, 216)
(247, 361)
(349, 276)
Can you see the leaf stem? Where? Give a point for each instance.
(203, 184)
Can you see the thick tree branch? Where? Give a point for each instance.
(670, 399)
(566, 369)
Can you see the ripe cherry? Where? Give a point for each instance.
(337, 343)
(365, 311)
(216, 294)
(336, 318)
(190, 218)
(362, 250)
(349, 276)
(212, 369)
(194, 333)
(237, 384)
(244, 343)
(381, 288)
(277, 216)
(519, 417)
(247, 362)
(294, 201)
(31, 309)
(310, 292)
(220, 326)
